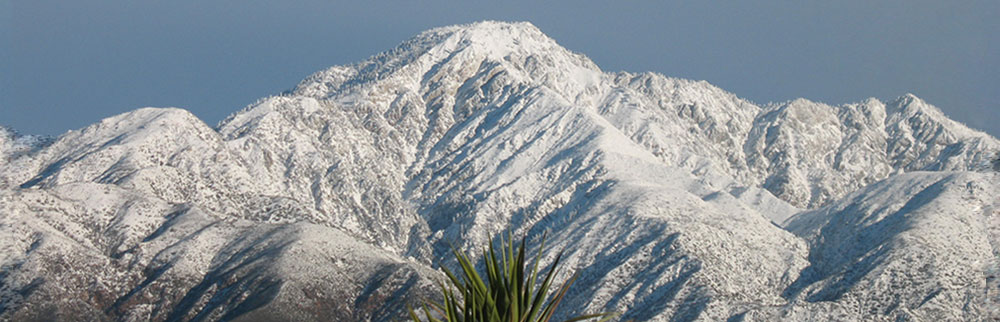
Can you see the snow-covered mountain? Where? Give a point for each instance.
(674, 199)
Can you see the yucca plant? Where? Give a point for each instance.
(507, 294)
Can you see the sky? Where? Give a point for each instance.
(67, 64)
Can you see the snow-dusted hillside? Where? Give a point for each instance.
(931, 238)
(13, 146)
(335, 199)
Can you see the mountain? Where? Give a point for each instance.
(673, 199)
(929, 239)
(13, 145)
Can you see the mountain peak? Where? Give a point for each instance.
(489, 33)
(909, 106)
(909, 103)
(907, 99)
(459, 51)
(487, 27)
(495, 39)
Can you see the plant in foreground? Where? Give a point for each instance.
(506, 294)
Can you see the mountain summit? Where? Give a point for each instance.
(673, 199)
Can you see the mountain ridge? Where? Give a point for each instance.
(665, 192)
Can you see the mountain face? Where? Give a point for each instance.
(673, 199)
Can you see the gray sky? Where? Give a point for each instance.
(66, 64)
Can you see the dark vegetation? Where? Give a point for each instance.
(507, 293)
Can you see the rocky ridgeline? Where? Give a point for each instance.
(674, 199)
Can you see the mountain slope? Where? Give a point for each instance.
(99, 251)
(915, 246)
(812, 153)
(334, 198)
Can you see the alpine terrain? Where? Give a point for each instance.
(673, 199)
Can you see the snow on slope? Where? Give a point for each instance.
(916, 246)
(811, 153)
(14, 145)
(664, 192)
(102, 252)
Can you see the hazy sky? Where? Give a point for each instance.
(66, 64)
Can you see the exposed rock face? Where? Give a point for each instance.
(669, 196)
